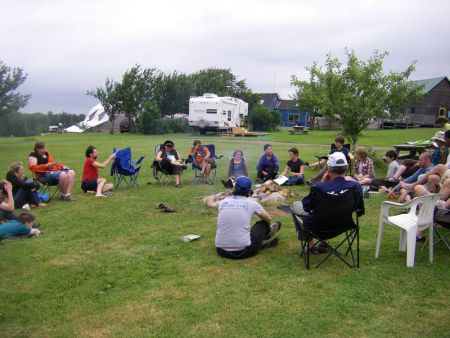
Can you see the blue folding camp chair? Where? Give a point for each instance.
(212, 176)
(124, 169)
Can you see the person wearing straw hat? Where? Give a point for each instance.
(441, 152)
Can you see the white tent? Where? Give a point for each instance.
(95, 117)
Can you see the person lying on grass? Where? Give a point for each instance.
(90, 181)
(22, 227)
(235, 237)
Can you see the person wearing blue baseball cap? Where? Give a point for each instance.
(235, 237)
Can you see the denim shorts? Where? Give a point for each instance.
(51, 177)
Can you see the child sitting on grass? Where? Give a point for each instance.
(364, 169)
(22, 227)
(389, 181)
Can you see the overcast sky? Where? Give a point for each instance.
(69, 47)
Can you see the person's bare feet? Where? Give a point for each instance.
(100, 196)
(42, 205)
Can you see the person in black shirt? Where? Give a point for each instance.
(338, 147)
(296, 166)
(24, 189)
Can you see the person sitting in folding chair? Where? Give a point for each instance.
(170, 161)
(337, 185)
(235, 238)
(47, 171)
(90, 180)
(201, 159)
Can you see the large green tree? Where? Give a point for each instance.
(357, 94)
(10, 80)
(110, 98)
(135, 89)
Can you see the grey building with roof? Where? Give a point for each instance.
(434, 103)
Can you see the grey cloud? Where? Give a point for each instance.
(70, 47)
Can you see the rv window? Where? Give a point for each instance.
(229, 115)
(211, 111)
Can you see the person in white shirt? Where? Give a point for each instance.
(235, 238)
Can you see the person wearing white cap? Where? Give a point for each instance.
(336, 185)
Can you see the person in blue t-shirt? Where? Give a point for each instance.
(267, 165)
(22, 227)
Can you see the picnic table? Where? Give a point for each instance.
(299, 130)
(413, 149)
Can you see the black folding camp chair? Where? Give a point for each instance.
(333, 227)
(161, 175)
(124, 169)
(197, 169)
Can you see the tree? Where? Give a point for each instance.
(10, 80)
(150, 118)
(358, 94)
(262, 119)
(110, 98)
(136, 87)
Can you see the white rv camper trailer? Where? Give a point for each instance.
(213, 113)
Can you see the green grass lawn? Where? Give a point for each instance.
(116, 267)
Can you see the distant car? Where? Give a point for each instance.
(126, 126)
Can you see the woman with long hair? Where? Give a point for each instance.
(24, 189)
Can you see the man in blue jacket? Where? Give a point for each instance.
(267, 165)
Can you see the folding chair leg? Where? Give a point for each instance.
(380, 235)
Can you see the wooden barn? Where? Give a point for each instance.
(434, 103)
(290, 114)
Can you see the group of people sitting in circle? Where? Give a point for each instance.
(235, 237)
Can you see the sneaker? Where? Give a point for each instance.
(225, 183)
(178, 186)
(274, 228)
(69, 198)
(269, 243)
(107, 193)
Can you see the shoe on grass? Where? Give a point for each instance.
(178, 185)
(69, 198)
(274, 228)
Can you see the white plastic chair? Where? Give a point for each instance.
(409, 224)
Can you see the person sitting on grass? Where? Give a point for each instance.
(237, 167)
(425, 166)
(364, 170)
(201, 159)
(338, 147)
(297, 168)
(24, 189)
(389, 181)
(442, 208)
(90, 181)
(47, 171)
(268, 165)
(6, 201)
(21, 227)
(337, 185)
(170, 161)
(441, 152)
(235, 237)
